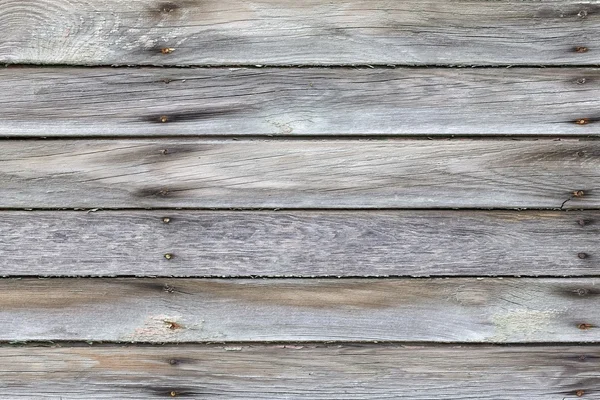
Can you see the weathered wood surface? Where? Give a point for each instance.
(234, 310)
(300, 174)
(290, 102)
(288, 243)
(226, 32)
(305, 371)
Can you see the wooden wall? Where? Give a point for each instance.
(278, 199)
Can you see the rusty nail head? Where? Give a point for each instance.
(582, 255)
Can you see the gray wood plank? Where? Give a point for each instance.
(300, 174)
(232, 32)
(304, 371)
(492, 310)
(295, 102)
(299, 243)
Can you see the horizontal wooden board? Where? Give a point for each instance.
(299, 243)
(233, 310)
(300, 174)
(296, 102)
(232, 32)
(304, 371)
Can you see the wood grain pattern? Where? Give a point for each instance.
(294, 102)
(304, 371)
(300, 174)
(312, 32)
(292, 244)
(234, 310)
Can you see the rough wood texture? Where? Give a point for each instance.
(233, 310)
(309, 32)
(292, 102)
(332, 243)
(300, 174)
(304, 371)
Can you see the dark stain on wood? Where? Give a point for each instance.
(161, 192)
(572, 11)
(187, 116)
(168, 7)
(578, 292)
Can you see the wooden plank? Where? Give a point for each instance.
(300, 174)
(299, 243)
(312, 32)
(295, 102)
(304, 371)
(492, 310)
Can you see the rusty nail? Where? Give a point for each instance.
(585, 327)
(169, 50)
(580, 154)
(164, 119)
(578, 193)
(173, 325)
(581, 81)
(168, 256)
(582, 255)
(581, 49)
(173, 361)
(581, 222)
(579, 393)
(166, 220)
(582, 357)
(582, 121)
